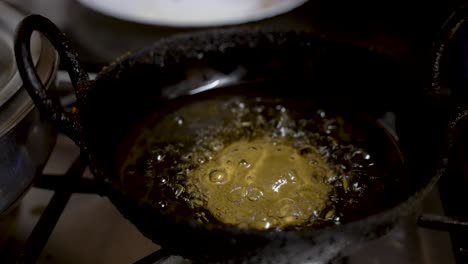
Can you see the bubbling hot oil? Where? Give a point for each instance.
(251, 163)
(257, 184)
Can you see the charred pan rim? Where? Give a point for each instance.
(442, 43)
(192, 44)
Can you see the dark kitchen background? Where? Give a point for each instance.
(91, 230)
(400, 27)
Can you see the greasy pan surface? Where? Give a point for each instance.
(289, 65)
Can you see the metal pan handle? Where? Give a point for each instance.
(67, 122)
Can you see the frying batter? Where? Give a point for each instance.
(263, 184)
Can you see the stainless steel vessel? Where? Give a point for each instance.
(26, 139)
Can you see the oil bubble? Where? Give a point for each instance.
(178, 190)
(237, 194)
(316, 213)
(333, 178)
(337, 220)
(219, 177)
(341, 167)
(163, 180)
(278, 183)
(187, 157)
(360, 158)
(179, 120)
(158, 155)
(307, 151)
(321, 113)
(245, 164)
(201, 160)
(292, 175)
(263, 224)
(162, 204)
(330, 126)
(254, 194)
(196, 202)
(285, 208)
(217, 146)
(356, 187)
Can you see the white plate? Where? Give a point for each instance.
(192, 13)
